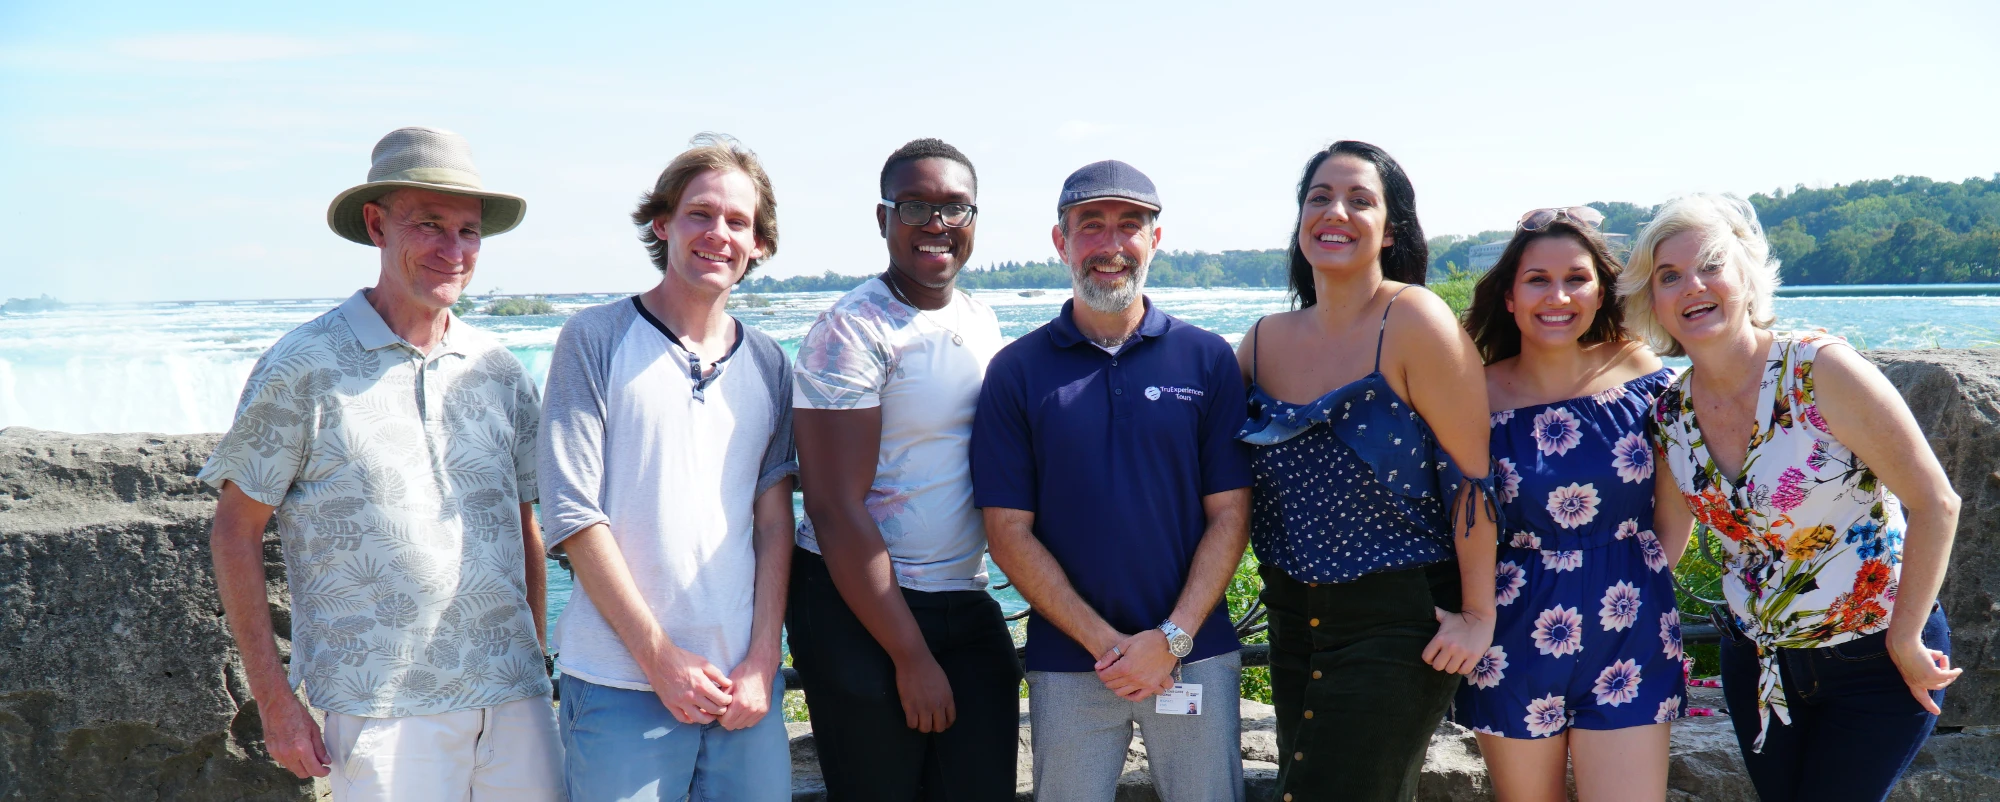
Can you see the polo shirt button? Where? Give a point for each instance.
(1314, 622)
(1118, 391)
(1315, 675)
(1309, 714)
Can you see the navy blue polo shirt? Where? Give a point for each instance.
(1113, 455)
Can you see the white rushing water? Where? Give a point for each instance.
(178, 368)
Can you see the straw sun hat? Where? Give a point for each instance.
(423, 158)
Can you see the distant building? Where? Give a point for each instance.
(1483, 256)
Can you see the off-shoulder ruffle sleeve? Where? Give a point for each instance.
(1388, 435)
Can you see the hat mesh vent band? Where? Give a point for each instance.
(422, 153)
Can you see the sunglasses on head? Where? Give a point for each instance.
(1582, 216)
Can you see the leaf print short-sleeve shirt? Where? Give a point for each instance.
(398, 479)
(1815, 541)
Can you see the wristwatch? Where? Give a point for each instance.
(1178, 641)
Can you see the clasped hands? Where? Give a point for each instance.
(696, 692)
(1139, 666)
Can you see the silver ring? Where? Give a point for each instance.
(1114, 650)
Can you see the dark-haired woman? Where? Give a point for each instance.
(1586, 664)
(1373, 498)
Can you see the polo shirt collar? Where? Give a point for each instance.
(373, 332)
(1064, 333)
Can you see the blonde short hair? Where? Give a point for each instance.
(1730, 234)
(708, 151)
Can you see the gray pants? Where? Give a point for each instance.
(1082, 730)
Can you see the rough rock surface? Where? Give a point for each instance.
(118, 679)
(1955, 395)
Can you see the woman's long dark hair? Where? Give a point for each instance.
(1493, 328)
(1407, 260)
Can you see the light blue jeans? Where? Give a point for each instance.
(623, 746)
(1081, 731)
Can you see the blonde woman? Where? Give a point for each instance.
(1836, 516)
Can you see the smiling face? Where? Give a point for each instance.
(1556, 295)
(930, 254)
(710, 235)
(429, 242)
(1695, 299)
(1108, 246)
(1344, 222)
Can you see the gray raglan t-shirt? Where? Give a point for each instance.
(673, 466)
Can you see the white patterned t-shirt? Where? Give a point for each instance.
(398, 479)
(924, 369)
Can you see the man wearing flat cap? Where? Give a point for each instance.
(1116, 498)
(396, 444)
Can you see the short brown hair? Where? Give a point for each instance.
(709, 151)
(1493, 328)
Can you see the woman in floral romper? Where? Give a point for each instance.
(1788, 445)
(1586, 664)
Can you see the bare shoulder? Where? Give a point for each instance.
(1629, 359)
(1417, 309)
(1837, 367)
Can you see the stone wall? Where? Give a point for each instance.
(1955, 395)
(118, 679)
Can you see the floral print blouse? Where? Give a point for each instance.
(1815, 542)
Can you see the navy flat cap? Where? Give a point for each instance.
(1108, 179)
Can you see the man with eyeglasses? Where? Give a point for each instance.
(908, 667)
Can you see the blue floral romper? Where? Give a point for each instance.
(1588, 635)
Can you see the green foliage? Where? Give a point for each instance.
(1696, 577)
(1452, 253)
(42, 304)
(1456, 291)
(516, 307)
(1903, 230)
(1241, 595)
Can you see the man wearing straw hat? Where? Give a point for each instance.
(396, 444)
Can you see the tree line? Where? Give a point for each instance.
(1903, 230)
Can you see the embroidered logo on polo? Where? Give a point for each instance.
(1182, 393)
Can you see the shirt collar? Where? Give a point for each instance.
(373, 332)
(1065, 334)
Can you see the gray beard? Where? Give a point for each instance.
(1112, 300)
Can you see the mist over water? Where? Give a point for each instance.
(178, 368)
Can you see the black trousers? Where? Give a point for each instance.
(867, 752)
(1356, 704)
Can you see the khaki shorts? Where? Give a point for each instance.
(505, 753)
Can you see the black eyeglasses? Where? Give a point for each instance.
(1583, 216)
(919, 213)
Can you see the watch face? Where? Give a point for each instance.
(1180, 644)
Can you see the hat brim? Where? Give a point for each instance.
(499, 211)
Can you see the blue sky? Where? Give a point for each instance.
(153, 151)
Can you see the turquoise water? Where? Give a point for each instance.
(177, 367)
